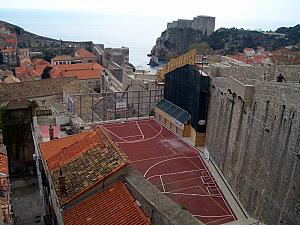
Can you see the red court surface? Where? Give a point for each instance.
(174, 167)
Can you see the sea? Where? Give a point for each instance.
(137, 32)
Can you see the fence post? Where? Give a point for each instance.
(80, 106)
(92, 108)
(138, 104)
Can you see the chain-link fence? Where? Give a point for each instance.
(95, 107)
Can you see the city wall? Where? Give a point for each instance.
(256, 145)
(290, 72)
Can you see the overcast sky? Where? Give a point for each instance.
(276, 12)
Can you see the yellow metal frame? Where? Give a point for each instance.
(185, 59)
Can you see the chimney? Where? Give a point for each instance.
(62, 183)
(51, 133)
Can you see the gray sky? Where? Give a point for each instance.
(229, 13)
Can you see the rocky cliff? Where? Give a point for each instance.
(176, 41)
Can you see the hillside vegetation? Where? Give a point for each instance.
(176, 41)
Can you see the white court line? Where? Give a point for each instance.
(121, 138)
(224, 200)
(212, 194)
(134, 141)
(192, 194)
(214, 188)
(203, 162)
(229, 208)
(180, 189)
(140, 130)
(130, 136)
(187, 194)
(162, 183)
(214, 216)
(180, 172)
(151, 167)
(120, 124)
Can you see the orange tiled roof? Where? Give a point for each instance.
(114, 205)
(62, 58)
(41, 62)
(51, 148)
(21, 71)
(9, 50)
(32, 70)
(82, 71)
(11, 41)
(25, 61)
(83, 53)
(84, 159)
(66, 154)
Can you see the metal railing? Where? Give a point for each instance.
(93, 107)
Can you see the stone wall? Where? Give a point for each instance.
(32, 89)
(290, 72)
(204, 23)
(256, 145)
(160, 209)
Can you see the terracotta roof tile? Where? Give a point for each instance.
(84, 159)
(51, 148)
(41, 62)
(9, 50)
(33, 70)
(82, 71)
(62, 58)
(112, 206)
(83, 53)
(11, 41)
(26, 61)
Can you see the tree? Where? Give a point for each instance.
(33, 105)
(46, 72)
(202, 48)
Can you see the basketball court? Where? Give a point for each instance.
(173, 166)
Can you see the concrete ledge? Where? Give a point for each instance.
(159, 208)
(240, 89)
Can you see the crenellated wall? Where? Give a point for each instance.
(256, 145)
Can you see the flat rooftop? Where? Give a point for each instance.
(174, 167)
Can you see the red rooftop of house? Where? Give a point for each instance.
(83, 53)
(82, 71)
(84, 159)
(112, 206)
(9, 50)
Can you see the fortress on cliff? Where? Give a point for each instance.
(204, 23)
